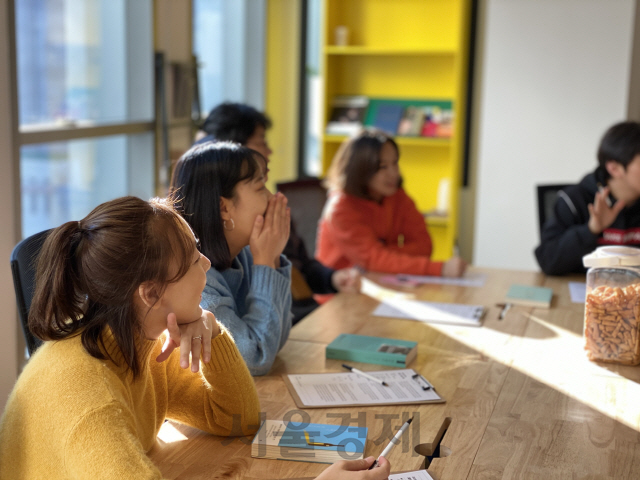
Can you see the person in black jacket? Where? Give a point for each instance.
(603, 209)
(247, 126)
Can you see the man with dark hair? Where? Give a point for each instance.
(603, 209)
(236, 122)
(244, 124)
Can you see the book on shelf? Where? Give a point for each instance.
(411, 117)
(438, 121)
(308, 442)
(529, 296)
(347, 114)
(411, 122)
(387, 117)
(377, 350)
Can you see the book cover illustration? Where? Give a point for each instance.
(309, 442)
(387, 117)
(411, 122)
(411, 117)
(438, 122)
(317, 436)
(347, 115)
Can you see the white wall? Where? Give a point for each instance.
(554, 75)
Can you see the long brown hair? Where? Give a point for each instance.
(203, 175)
(89, 271)
(356, 161)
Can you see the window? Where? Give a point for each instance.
(228, 41)
(311, 102)
(60, 181)
(85, 106)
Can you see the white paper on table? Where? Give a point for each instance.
(469, 280)
(333, 389)
(578, 291)
(417, 475)
(431, 312)
(374, 290)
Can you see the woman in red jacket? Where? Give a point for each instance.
(369, 221)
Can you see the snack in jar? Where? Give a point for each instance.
(612, 305)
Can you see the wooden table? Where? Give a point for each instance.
(522, 399)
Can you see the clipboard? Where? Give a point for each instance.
(432, 312)
(400, 381)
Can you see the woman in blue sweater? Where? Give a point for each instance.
(242, 229)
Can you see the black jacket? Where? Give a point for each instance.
(566, 238)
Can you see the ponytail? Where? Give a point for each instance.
(58, 296)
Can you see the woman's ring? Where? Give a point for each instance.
(199, 337)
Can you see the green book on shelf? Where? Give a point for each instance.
(378, 350)
(529, 296)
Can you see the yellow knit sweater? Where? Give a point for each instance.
(72, 416)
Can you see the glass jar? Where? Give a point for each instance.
(612, 305)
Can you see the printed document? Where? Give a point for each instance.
(431, 312)
(578, 291)
(334, 389)
(469, 280)
(417, 475)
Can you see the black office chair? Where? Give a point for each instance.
(306, 200)
(547, 196)
(23, 269)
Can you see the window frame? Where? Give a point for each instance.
(33, 134)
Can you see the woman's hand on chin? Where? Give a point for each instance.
(271, 232)
(193, 338)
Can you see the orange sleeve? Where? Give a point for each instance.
(354, 236)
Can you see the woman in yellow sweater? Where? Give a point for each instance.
(91, 400)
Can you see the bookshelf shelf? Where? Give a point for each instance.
(418, 141)
(405, 50)
(363, 50)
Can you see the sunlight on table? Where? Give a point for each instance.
(170, 434)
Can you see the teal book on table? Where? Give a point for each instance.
(529, 296)
(377, 350)
(309, 442)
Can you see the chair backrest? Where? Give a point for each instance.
(547, 196)
(306, 200)
(23, 269)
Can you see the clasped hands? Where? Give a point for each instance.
(271, 232)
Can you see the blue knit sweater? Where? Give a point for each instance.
(254, 303)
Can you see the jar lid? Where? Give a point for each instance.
(612, 256)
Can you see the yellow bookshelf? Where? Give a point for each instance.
(405, 49)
